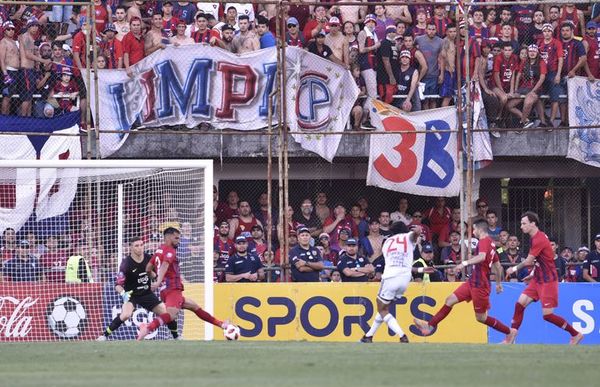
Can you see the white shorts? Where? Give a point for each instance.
(394, 287)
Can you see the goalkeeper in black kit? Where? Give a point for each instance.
(133, 285)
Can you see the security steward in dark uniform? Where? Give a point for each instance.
(243, 266)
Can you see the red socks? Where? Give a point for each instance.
(204, 315)
(561, 323)
(518, 316)
(497, 325)
(440, 315)
(164, 318)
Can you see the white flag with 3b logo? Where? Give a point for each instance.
(423, 163)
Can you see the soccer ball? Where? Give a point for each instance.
(231, 332)
(66, 317)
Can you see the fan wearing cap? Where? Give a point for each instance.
(112, 48)
(318, 46)
(257, 243)
(592, 47)
(305, 261)
(531, 75)
(29, 57)
(66, 92)
(368, 44)
(408, 82)
(398, 256)
(477, 288)
(23, 267)
(293, 36)
(168, 19)
(387, 74)
(10, 63)
(352, 266)
(338, 43)
(227, 35)
(328, 253)
(551, 51)
(591, 264)
(243, 266)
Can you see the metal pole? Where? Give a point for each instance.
(460, 131)
(281, 219)
(468, 131)
(119, 224)
(284, 128)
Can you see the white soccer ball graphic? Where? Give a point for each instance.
(231, 332)
(66, 317)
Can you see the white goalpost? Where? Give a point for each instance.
(54, 212)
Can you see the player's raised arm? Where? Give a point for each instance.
(526, 262)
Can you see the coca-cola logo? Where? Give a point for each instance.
(15, 323)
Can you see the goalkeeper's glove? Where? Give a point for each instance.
(126, 295)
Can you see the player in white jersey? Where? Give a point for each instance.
(398, 254)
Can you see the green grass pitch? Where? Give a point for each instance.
(180, 363)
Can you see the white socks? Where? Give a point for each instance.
(378, 321)
(393, 324)
(389, 320)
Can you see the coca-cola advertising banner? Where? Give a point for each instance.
(41, 312)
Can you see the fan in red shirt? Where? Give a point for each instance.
(65, 91)
(204, 34)
(112, 48)
(505, 67)
(133, 45)
(438, 216)
(590, 42)
(477, 288)
(543, 286)
(531, 75)
(164, 267)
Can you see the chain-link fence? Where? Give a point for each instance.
(485, 85)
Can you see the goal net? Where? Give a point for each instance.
(83, 214)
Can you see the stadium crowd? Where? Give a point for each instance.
(344, 243)
(340, 240)
(402, 54)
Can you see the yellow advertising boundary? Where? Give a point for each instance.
(330, 312)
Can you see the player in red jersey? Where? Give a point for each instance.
(168, 277)
(477, 288)
(544, 284)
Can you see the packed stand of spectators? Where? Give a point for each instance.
(81, 246)
(344, 243)
(401, 54)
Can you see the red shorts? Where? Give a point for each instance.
(386, 92)
(479, 296)
(172, 298)
(546, 292)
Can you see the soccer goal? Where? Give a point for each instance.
(66, 226)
